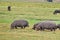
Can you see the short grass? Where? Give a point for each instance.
(33, 13)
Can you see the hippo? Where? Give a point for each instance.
(49, 25)
(9, 8)
(19, 23)
(56, 11)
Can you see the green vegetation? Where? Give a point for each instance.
(32, 12)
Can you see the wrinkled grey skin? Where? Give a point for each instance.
(19, 23)
(58, 26)
(49, 25)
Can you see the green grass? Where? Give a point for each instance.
(33, 13)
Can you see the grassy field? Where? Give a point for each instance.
(33, 13)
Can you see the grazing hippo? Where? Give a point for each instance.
(58, 26)
(19, 23)
(56, 11)
(47, 25)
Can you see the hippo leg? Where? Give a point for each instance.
(41, 29)
(51, 29)
(24, 26)
(54, 29)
